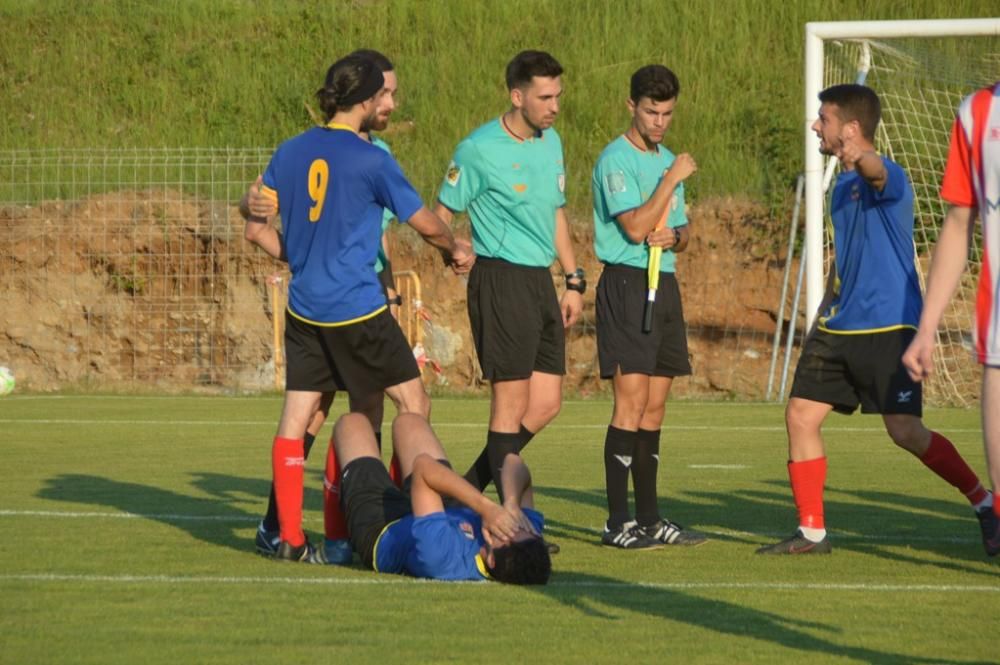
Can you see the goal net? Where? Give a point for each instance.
(920, 81)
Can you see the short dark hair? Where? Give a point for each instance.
(855, 102)
(379, 58)
(349, 81)
(522, 562)
(529, 64)
(654, 82)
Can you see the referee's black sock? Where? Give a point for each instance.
(479, 473)
(271, 516)
(498, 446)
(378, 441)
(645, 464)
(619, 447)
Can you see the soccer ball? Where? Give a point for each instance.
(6, 381)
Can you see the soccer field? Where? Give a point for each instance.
(128, 538)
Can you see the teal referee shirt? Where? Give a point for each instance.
(511, 189)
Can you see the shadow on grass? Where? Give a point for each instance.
(877, 523)
(216, 520)
(591, 593)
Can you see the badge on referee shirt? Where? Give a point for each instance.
(615, 182)
(561, 182)
(453, 175)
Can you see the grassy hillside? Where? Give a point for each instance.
(228, 73)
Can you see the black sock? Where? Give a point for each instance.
(307, 444)
(270, 520)
(645, 464)
(619, 446)
(498, 446)
(479, 473)
(378, 441)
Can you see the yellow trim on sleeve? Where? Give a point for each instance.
(338, 324)
(377, 541)
(270, 193)
(481, 565)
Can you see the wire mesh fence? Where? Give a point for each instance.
(128, 269)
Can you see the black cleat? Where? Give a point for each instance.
(797, 544)
(668, 533)
(629, 536)
(304, 553)
(553, 548)
(266, 541)
(989, 524)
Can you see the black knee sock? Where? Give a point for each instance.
(378, 441)
(645, 464)
(479, 473)
(498, 446)
(307, 444)
(619, 447)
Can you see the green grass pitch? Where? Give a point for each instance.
(127, 529)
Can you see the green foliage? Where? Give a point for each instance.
(239, 73)
(132, 521)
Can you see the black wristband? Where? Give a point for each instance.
(580, 283)
(398, 300)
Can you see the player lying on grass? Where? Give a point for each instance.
(427, 534)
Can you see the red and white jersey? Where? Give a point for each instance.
(972, 180)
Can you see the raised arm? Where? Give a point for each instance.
(640, 222)
(432, 480)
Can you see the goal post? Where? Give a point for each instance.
(921, 71)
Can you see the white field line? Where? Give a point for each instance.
(250, 519)
(400, 580)
(437, 425)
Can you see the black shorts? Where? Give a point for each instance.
(370, 502)
(516, 321)
(621, 301)
(362, 358)
(865, 369)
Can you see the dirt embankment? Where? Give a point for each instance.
(158, 289)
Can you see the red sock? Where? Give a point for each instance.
(942, 458)
(334, 524)
(288, 467)
(807, 479)
(396, 471)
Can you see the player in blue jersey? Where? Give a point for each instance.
(510, 177)
(257, 204)
(331, 187)
(866, 320)
(637, 185)
(445, 529)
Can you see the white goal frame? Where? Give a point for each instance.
(816, 35)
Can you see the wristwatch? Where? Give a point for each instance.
(579, 284)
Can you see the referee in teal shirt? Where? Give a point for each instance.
(510, 177)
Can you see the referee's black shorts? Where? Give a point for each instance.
(621, 300)
(516, 321)
(867, 369)
(362, 358)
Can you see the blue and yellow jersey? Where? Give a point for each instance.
(876, 284)
(439, 546)
(332, 188)
(625, 176)
(387, 215)
(512, 189)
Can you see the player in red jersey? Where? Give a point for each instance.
(971, 185)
